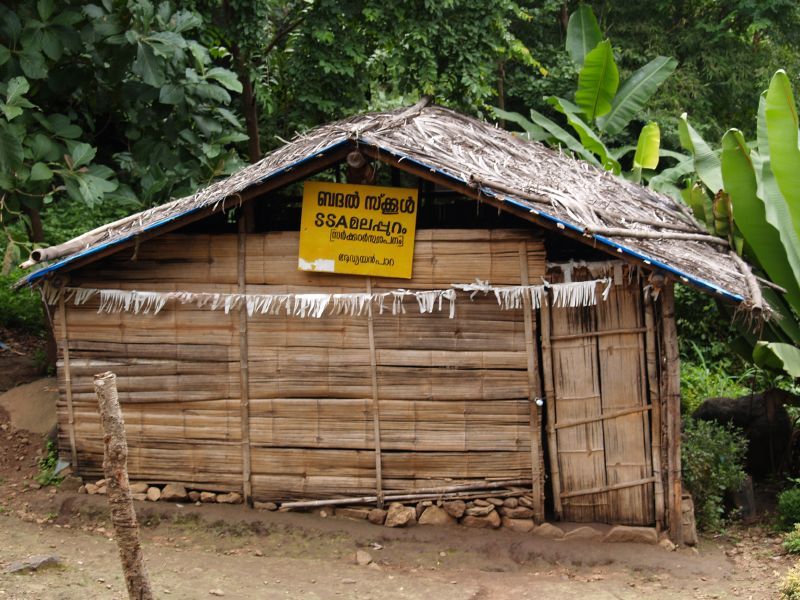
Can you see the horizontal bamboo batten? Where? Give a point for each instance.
(453, 395)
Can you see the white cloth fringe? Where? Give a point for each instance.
(511, 297)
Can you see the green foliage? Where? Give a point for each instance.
(789, 508)
(600, 100)
(791, 541)
(21, 308)
(47, 466)
(712, 456)
(790, 586)
(107, 103)
(700, 381)
(746, 192)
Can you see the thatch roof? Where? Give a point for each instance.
(526, 178)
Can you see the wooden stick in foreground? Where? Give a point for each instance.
(115, 467)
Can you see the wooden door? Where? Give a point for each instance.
(598, 409)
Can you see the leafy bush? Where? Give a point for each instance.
(790, 586)
(699, 381)
(789, 507)
(791, 543)
(47, 466)
(20, 308)
(712, 457)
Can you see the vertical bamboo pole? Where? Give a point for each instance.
(120, 502)
(376, 412)
(671, 395)
(550, 398)
(62, 316)
(244, 369)
(534, 392)
(655, 411)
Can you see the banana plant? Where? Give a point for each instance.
(759, 185)
(601, 106)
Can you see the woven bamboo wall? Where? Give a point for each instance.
(453, 394)
(600, 383)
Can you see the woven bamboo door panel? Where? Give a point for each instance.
(601, 409)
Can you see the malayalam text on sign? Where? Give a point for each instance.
(358, 229)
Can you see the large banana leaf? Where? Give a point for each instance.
(749, 213)
(563, 137)
(597, 81)
(778, 357)
(631, 98)
(588, 137)
(706, 162)
(782, 122)
(583, 34)
(532, 131)
(777, 209)
(647, 155)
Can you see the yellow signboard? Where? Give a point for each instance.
(359, 229)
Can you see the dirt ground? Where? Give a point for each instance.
(212, 550)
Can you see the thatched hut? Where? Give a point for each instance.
(534, 344)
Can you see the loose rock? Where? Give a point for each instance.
(583, 533)
(636, 535)
(490, 521)
(232, 498)
(33, 564)
(352, 513)
(550, 531)
(455, 508)
(520, 525)
(434, 515)
(363, 558)
(139, 487)
(479, 511)
(519, 512)
(400, 516)
(377, 516)
(174, 492)
(526, 501)
(153, 494)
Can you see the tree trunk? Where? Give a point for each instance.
(34, 228)
(115, 468)
(35, 231)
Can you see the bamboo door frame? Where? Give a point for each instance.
(652, 406)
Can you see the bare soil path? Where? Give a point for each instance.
(192, 551)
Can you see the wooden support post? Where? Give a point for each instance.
(376, 412)
(655, 414)
(120, 502)
(62, 316)
(534, 393)
(550, 399)
(671, 395)
(244, 371)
